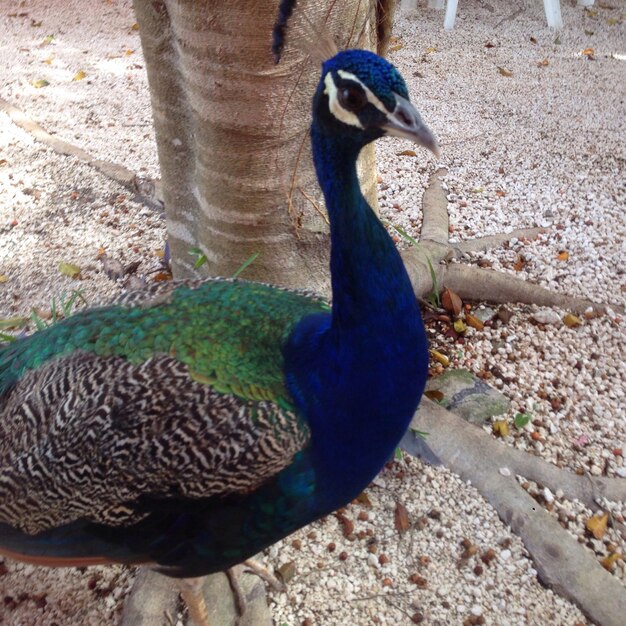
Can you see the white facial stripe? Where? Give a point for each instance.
(347, 117)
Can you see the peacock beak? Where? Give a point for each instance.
(406, 122)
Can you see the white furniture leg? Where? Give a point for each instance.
(553, 13)
(448, 22)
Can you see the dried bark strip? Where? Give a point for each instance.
(560, 561)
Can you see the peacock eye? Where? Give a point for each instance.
(352, 97)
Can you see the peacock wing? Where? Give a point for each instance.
(177, 392)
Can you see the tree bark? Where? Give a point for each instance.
(232, 134)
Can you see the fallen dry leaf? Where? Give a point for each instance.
(571, 321)
(608, 562)
(79, 75)
(69, 269)
(38, 84)
(589, 53)
(287, 571)
(474, 322)
(563, 255)
(519, 263)
(397, 47)
(597, 524)
(401, 518)
(451, 301)
(364, 499)
(3, 278)
(460, 326)
(434, 394)
(500, 428)
(504, 71)
(410, 153)
(543, 63)
(440, 358)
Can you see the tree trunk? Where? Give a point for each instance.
(231, 129)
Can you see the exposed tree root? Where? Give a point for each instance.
(436, 253)
(153, 600)
(561, 562)
(148, 191)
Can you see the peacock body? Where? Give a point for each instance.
(192, 424)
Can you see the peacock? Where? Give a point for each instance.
(191, 424)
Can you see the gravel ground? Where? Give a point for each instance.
(541, 146)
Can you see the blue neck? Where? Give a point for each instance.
(358, 376)
(368, 276)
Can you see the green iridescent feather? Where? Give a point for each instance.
(229, 333)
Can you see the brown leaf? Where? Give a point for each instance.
(410, 153)
(608, 562)
(434, 394)
(80, 75)
(474, 322)
(397, 47)
(543, 63)
(364, 499)
(533, 40)
(563, 255)
(597, 524)
(504, 315)
(162, 277)
(451, 301)
(504, 71)
(135, 26)
(287, 571)
(518, 266)
(401, 518)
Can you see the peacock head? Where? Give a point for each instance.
(362, 97)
